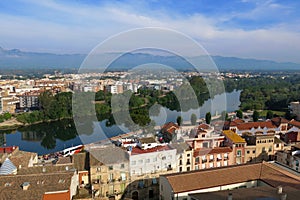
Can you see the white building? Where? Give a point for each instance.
(154, 160)
(295, 108)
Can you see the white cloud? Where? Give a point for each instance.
(85, 26)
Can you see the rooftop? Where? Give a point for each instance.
(137, 150)
(10, 186)
(108, 155)
(235, 138)
(214, 177)
(263, 192)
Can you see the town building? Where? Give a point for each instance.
(295, 108)
(290, 158)
(184, 154)
(186, 185)
(237, 144)
(109, 170)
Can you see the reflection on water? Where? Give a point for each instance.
(54, 136)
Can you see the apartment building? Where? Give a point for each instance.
(295, 108)
(264, 147)
(237, 144)
(184, 154)
(290, 158)
(109, 171)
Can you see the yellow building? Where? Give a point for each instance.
(109, 171)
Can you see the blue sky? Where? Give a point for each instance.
(263, 29)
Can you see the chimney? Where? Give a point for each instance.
(25, 185)
(229, 196)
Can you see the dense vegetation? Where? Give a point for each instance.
(53, 107)
(267, 92)
(260, 93)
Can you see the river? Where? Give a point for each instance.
(51, 137)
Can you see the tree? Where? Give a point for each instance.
(208, 117)
(270, 114)
(224, 115)
(179, 120)
(193, 119)
(239, 114)
(255, 115)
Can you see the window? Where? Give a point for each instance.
(140, 161)
(188, 155)
(180, 169)
(196, 167)
(197, 160)
(133, 162)
(110, 167)
(188, 169)
(263, 150)
(98, 169)
(277, 145)
(270, 149)
(122, 166)
(123, 176)
(154, 159)
(205, 144)
(111, 176)
(253, 151)
(239, 153)
(163, 158)
(148, 160)
(248, 152)
(203, 166)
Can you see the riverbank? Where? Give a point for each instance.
(13, 123)
(10, 124)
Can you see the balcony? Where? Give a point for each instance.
(211, 160)
(204, 160)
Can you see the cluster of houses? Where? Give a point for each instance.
(196, 161)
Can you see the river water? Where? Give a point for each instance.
(51, 137)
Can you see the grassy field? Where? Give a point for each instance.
(275, 112)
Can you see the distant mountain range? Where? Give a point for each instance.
(20, 60)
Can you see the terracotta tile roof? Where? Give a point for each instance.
(250, 125)
(207, 151)
(10, 186)
(81, 161)
(217, 150)
(170, 127)
(45, 169)
(279, 120)
(203, 126)
(294, 123)
(22, 158)
(201, 152)
(213, 177)
(235, 138)
(137, 150)
(64, 160)
(229, 175)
